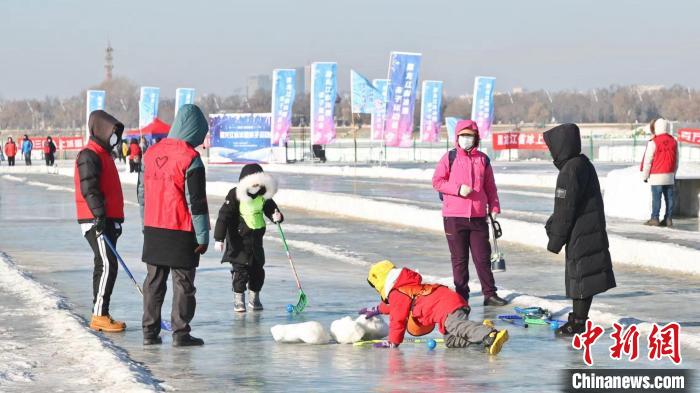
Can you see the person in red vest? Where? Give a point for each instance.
(100, 207)
(10, 151)
(134, 157)
(49, 151)
(416, 307)
(172, 193)
(659, 167)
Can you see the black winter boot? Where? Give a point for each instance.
(187, 341)
(495, 301)
(572, 327)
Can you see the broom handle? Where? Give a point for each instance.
(289, 256)
(121, 261)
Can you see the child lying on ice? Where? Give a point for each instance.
(418, 307)
(242, 226)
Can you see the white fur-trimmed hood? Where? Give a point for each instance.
(260, 178)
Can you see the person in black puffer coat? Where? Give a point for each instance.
(578, 222)
(241, 226)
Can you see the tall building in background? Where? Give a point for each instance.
(109, 66)
(301, 82)
(258, 82)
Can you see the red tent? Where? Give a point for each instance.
(156, 129)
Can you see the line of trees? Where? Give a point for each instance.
(615, 104)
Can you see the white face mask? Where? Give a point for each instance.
(253, 190)
(465, 141)
(113, 140)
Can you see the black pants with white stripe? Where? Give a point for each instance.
(106, 267)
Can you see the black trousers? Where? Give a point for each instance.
(49, 159)
(184, 301)
(582, 307)
(251, 277)
(28, 158)
(10, 161)
(106, 266)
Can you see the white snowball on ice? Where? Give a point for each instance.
(308, 332)
(375, 328)
(346, 331)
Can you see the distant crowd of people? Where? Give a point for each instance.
(10, 151)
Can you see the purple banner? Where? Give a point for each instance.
(324, 89)
(404, 71)
(431, 102)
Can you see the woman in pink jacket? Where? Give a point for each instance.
(469, 194)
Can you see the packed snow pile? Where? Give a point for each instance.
(375, 328)
(96, 358)
(627, 196)
(308, 332)
(348, 331)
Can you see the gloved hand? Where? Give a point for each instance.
(99, 225)
(369, 312)
(201, 249)
(464, 190)
(219, 246)
(276, 216)
(385, 344)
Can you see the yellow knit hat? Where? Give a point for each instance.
(377, 275)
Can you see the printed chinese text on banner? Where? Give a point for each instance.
(365, 97)
(183, 96)
(518, 140)
(430, 119)
(482, 104)
(283, 92)
(324, 88)
(95, 100)
(240, 137)
(148, 105)
(689, 135)
(379, 115)
(404, 69)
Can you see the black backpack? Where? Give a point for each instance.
(451, 156)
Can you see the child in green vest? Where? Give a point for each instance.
(241, 226)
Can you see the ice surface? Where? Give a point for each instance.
(311, 332)
(346, 331)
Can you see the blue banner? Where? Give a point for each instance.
(148, 105)
(95, 100)
(283, 92)
(482, 105)
(379, 114)
(240, 138)
(404, 70)
(365, 98)
(183, 96)
(324, 89)
(451, 123)
(430, 118)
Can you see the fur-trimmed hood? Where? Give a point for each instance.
(267, 182)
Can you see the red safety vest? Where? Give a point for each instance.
(164, 185)
(47, 148)
(665, 155)
(110, 187)
(413, 327)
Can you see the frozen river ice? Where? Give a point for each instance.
(40, 234)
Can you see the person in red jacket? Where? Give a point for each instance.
(417, 307)
(100, 207)
(659, 167)
(134, 157)
(10, 151)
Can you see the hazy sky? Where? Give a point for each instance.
(56, 47)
